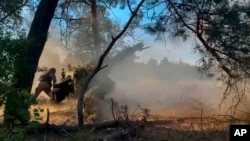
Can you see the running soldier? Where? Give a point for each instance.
(45, 83)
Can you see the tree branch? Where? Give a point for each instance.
(87, 2)
(179, 15)
(12, 12)
(70, 19)
(103, 67)
(99, 66)
(203, 41)
(129, 6)
(216, 55)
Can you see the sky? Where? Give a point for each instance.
(174, 50)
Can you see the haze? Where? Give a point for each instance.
(178, 92)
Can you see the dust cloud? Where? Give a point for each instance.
(167, 89)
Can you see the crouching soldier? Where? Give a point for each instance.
(45, 83)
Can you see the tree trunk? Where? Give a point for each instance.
(94, 24)
(36, 40)
(80, 102)
(99, 66)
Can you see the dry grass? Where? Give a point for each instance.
(170, 134)
(199, 128)
(179, 129)
(150, 133)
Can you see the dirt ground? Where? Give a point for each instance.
(183, 129)
(62, 113)
(149, 134)
(187, 129)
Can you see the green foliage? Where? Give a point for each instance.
(11, 50)
(13, 59)
(85, 136)
(82, 41)
(84, 37)
(17, 102)
(220, 25)
(16, 135)
(10, 14)
(17, 106)
(220, 30)
(11, 6)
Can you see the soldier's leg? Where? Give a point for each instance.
(37, 92)
(49, 93)
(53, 96)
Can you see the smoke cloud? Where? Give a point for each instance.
(167, 89)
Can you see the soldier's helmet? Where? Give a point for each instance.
(53, 70)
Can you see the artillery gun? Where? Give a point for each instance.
(100, 86)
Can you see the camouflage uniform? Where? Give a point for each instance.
(45, 83)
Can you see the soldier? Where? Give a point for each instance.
(63, 74)
(45, 83)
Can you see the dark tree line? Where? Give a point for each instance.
(165, 70)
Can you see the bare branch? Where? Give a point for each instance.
(104, 67)
(86, 2)
(129, 6)
(98, 67)
(70, 19)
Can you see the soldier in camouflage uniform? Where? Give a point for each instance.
(45, 83)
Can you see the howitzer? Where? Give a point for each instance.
(63, 89)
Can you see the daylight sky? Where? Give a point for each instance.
(174, 50)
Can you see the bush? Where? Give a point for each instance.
(17, 105)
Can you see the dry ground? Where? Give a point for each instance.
(149, 134)
(179, 129)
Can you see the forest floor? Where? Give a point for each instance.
(149, 134)
(173, 131)
(176, 129)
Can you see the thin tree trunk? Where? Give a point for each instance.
(85, 85)
(94, 24)
(36, 40)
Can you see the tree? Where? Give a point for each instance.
(86, 25)
(12, 45)
(98, 67)
(95, 28)
(35, 42)
(16, 102)
(10, 10)
(222, 30)
(93, 34)
(84, 41)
